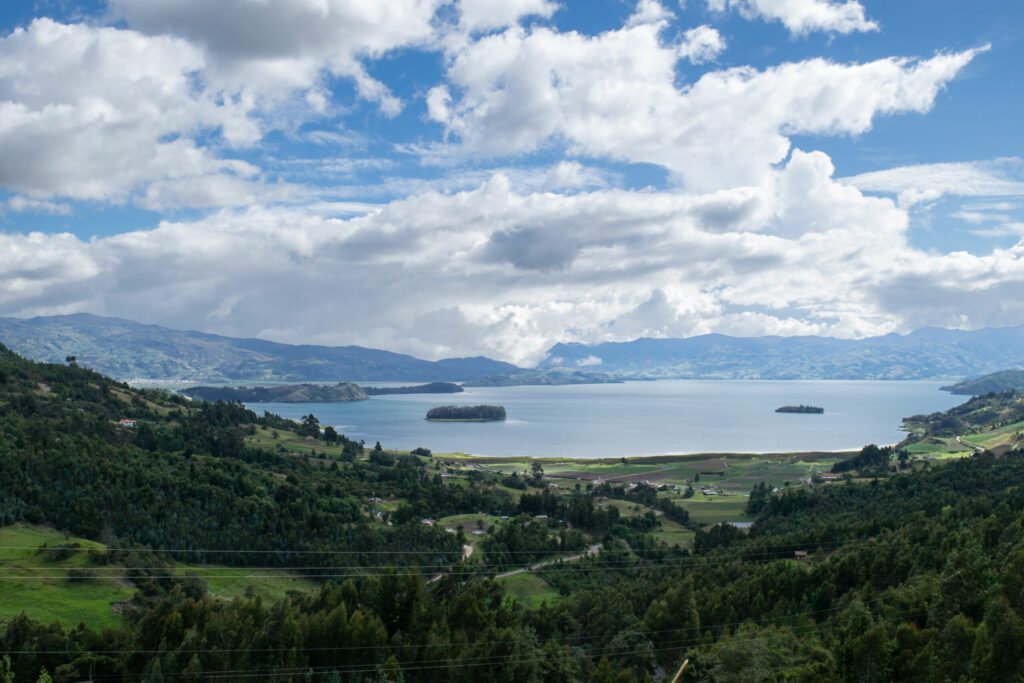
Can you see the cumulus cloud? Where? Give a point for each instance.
(484, 15)
(98, 113)
(507, 273)
(615, 95)
(270, 49)
(701, 44)
(803, 16)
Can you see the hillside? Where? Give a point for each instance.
(927, 353)
(419, 569)
(133, 351)
(343, 392)
(996, 382)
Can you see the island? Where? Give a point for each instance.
(483, 413)
(811, 410)
(343, 392)
(431, 388)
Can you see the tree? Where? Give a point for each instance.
(6, 673)
(330, 434)
(310, 426)
(44, 676)
(673, 621)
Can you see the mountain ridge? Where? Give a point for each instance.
(126, 349)
(928, 353)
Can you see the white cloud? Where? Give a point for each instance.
(484, 15)
(701, 44)
(269, 49)
(507, 273)
(926, 182)
(614, 95)
(649, 12)
(99, 113)
(589, 362)
(20, 204)
(803, 16)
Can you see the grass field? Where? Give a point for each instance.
(1007, 434)
(673, 533)
(26, 585)
(35, 583)
(712, 509)
(530, 590)
(290, 442)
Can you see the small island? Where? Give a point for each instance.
(811, 410)
(466, 414)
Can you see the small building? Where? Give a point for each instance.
(541, 518)
(127, 423)
(478, 532)
(429, 522)
(801, 556)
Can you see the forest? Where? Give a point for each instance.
(916, 574)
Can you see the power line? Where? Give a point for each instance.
(702, 627)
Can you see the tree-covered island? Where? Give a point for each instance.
(812, 410)
(483, 413)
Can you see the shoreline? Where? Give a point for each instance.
(644, 459)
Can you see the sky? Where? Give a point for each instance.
(461, 177)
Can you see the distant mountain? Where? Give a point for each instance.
(996, 382)
(129, 350)
(553, 377)
(926, 353)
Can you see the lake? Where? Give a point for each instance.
(640, 418)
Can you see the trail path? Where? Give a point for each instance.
(591, 551)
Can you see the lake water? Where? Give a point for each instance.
(640, 418)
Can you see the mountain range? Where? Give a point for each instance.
(135, 351)
(925, 353)
(130, 350)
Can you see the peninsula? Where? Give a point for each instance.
(482, 413)
(812, 410)
(431, 388)
(342, 392)
(997, 382)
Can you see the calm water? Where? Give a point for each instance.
(640, 418)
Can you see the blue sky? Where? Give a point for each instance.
(473, 176)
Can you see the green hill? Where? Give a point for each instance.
(915, 575)
(996, 382)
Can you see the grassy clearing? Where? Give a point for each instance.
(1007, 434)
(937, 446)
(35, 583)
(230, 582)
(290, 443)
(530, 590)
(713, 509)
(673, 533)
